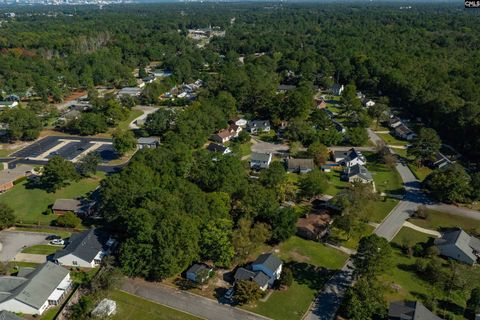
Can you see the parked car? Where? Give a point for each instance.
(58, 242)
(53, 237)
(229, 294)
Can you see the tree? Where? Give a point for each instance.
(216, 242)
(286, 278)
(374, 256)
(473, 303)
(123, 141)
(450, 185)
(22, 123)
(68, 220)
(318, 152)
(243, 136)
(246, 238)
(313, 183)
(274, 176)
(159, 122)
(57, 174)
(365, 300)
(7, 216)
(425, 146)
(246, 292)
(283, 224)
(475, 186)
(88, 124)
(88, 164)
(377, 112)
(357, 136)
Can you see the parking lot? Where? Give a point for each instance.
(12, 242)
(70, 148)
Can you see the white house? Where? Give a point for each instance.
(257, 126)
(369, 103)
(33, 291)
(260, 160)
(459, 245)
(349, 158)
(337, 89)
(404, 132)
(85, 250)
(8, 104)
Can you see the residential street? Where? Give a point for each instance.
(186, 302)
(146, 111)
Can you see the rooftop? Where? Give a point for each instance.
(85, 245)
(269, 260)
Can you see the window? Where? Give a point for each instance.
(75, 263)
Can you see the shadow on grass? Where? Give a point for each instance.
(304, 273)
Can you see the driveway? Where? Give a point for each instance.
(146, 111)
(14, 241)
(186, 302)
(268, 147)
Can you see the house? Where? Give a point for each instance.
(260, 160)
(349, 158)
(263, 271)
(403, 132)
(9, 176)
(199, 273)
(313, 226)
(81, 207)
(339, 127)
(238, 121)
(256, 126)
(410, 310)
(360, 95)
(85, 250)
(441, 161)
(8, 104)
(337, 89)
(33, 291)
(160, 73)
(129, 91)
(394, 122)
(459, 245)
(6, 315)
(300, 165)
(215, 147)
(283, 88)
(321, 104)
(357, 173)
(148, 142)
(149, 78)
(369, 103)
(222, 136)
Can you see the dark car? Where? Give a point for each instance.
(53, 237)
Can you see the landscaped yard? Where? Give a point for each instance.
(408, 235)
(311, 252)
(381, 208)
(134, 113)
(386, 179)
(420, 172)
(436, 220)
(30, 204)
(42, 249)
(391, 140)
(130, 307)
(351, 242)
(335, 185)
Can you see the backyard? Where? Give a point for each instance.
(30, 205)
(131, 307)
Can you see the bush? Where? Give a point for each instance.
(286, 279)
(69, 220)
(246, 292)
(7, 217)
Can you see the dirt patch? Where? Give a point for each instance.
(298, 257)
(74, 96)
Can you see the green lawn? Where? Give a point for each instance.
(420, 172)
(386, 179)
(50, 314)
(132, 116)
(408, 235)
(311, 252)
(391, 140)
(335, 185)
(30, 204)
(60, 233)
(436, 220)
(351, 242)
(42, 249)
(381, 208)
(14, 266)
(130, 307)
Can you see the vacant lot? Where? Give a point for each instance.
(130, 307)
(391, 140)
(436, 220)
(30, 204)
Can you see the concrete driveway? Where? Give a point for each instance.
(12, 242)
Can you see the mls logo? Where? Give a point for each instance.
(472, 4)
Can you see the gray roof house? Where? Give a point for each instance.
(199, 273)
(410, 310)
(215, 147)
(260, 160)
(148, 142)
(256, 126)
(33, 291)
(77, 206)
(459, 245)
(6, 315)
(300, 165)
(349, 158)
(263, 271)
(358, 173)
(130, 91)
(337, 89)
(85, 249)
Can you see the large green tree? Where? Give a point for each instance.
(425, 145)
(57, 174)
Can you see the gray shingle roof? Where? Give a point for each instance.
(196, 268)
(85, 245)
(261, 278)
(300, 164)
(148, 140)
(260, 156)
(360, 171)
(215, 147)
(410, 310)
(258, 277)
(36, 287)
(462, 240)
(5, 315)
(269, 260)
(74, 205)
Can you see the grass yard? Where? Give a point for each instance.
(420, 172)
(386, 179)
(391, 140)
(134, 113)
(42, 249)
(60, 233)
(311, 252)
(408, 235)
(351, 242)
(381, 208)
(130, 307)
(50, 314)
(436, 220)
(241, 150)
(335, 185)
(15, 265)
(30, 204)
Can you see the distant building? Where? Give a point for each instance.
(459, 245)
(394, 122)
(283, 88)
(85, 250)
(337, 89)
(160, 73)
(215, 147)
(81, 207)
(300, 165)
(148, 142)
(257, 126)
(33, 291)
(222, 136)
(313, 226)
(339, 127)
(357, 173)
(260, 160)
(441, 161)
(410, 310)
(349, 158)
(369, 103)
(130, 91)
(199, 273)
(8, 104)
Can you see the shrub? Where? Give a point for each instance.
(69, 220)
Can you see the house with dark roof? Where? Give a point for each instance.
(199, 273)
(33, 291)
(349, 158)
(410, 310)
(313, 226)
(263, 271)
(260, 160)
(283, 88)
(339, 127)
(81, 207)
(148, 142)
(300, 165)
(85, 250)
(6, 315)
(394, 122)
(459, 245)
(440, 161)
(404, 132)
(218, 148)
(257, 126)
(337, 89)
(357, 173)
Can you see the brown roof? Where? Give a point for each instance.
(314, 222)
(300, 163)
(224, 134)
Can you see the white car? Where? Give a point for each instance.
(58, 242)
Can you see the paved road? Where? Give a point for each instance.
(186, 302)
(267, 147)
(146, 111)
(14, 241)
